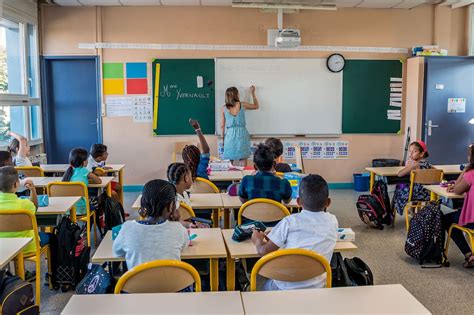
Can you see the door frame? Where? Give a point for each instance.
(46, 97)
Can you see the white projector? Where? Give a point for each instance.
(288, 38)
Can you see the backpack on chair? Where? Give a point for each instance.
(70, 254)
(425, 239)
(110, 213)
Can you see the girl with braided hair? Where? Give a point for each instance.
(159, 235)
(180, 176)
(196, 160)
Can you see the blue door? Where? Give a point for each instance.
(71, 101)
(447, 132)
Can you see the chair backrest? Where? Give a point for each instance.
(30, 171)
(99, 171)
(68, 189)
(159, 276)
(19, 220)
(299, 158)
(424, 177)
(203, 186)
(178, 149)
(262, 209)
(185, 211)
(291, 265)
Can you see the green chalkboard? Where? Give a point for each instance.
(179, 95)
(366, 96)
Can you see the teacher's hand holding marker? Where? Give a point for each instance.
(235, 136)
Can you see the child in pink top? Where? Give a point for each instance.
(464, 185)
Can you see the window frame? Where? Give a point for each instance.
(25, 100)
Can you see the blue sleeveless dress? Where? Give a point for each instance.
(237, 138)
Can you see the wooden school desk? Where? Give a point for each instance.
(226, 176)
(246, 249)
(115, 169)
(392, 171)
(438, 191)
(207, 245)
(379, 299)
(157, 303)
(198, 202)
(58, 206)
(11, 248)
(42, 182)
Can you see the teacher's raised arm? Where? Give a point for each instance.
(234, 130)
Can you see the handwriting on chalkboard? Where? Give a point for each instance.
(175, 92)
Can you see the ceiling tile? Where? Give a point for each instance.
(345, 3)
(410, 4)
(180, 2)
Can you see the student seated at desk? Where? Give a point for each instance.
(157, 236)
(277, 147)
(9, 184)
(78, 172)
(19, 150)
(313, 228)
(464, 185)
(5, 159)
(97, 158)
(264, 184)
(418, 153)
(196, 160)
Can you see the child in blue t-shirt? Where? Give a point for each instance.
(77, 172)
(196, 160)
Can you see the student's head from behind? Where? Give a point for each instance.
(277, 147)
(159, 200)
(418, 150)
(99, 152)
(314, 193)
(77, 158)
(15, 146)
(180, 174)
(263, 158)
(9, 181)
(191, 156)
(231, 97)
(5, 159)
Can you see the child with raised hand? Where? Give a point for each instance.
(157, 236)
(78, 172)
(19, 150)
(196, 160)
(463, 186)
(313, 228)
(418, 153)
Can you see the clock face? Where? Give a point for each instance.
(336, 63)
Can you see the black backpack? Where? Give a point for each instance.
(425, 239)
(16, 295)
(70, 254)
(370, 211)
(350, 272)
(110, 212)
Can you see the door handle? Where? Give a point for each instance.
(430, 126)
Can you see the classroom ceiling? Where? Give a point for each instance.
(301, 4)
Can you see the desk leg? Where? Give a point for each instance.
(214, 274)
(230, 266)
(372, 180)
(20, 266)
(109, 190)
(215, 218)
(72, 213)
(121, 186)
(226, 218)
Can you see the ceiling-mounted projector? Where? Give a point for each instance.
(288, 38)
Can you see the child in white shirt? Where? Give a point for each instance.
(313, 228)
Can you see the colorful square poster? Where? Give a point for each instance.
(112, 70)
(137, 86)
(136, 70)
(113, 86)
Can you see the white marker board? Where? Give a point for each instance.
(297, 96)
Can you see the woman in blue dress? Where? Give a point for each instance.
(236, 138)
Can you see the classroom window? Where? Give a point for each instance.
(35, 121)
(11, 79)
(12, 118)
(32, 61)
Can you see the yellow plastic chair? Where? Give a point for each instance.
(469, 232)
(159, 276)
(30, 171)
(178, 149)
(22, 220)
(99, 171)
(262, 209)
(185, 211)
(422, 177)
(291, 265)
(203, 186)
(76, 189)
